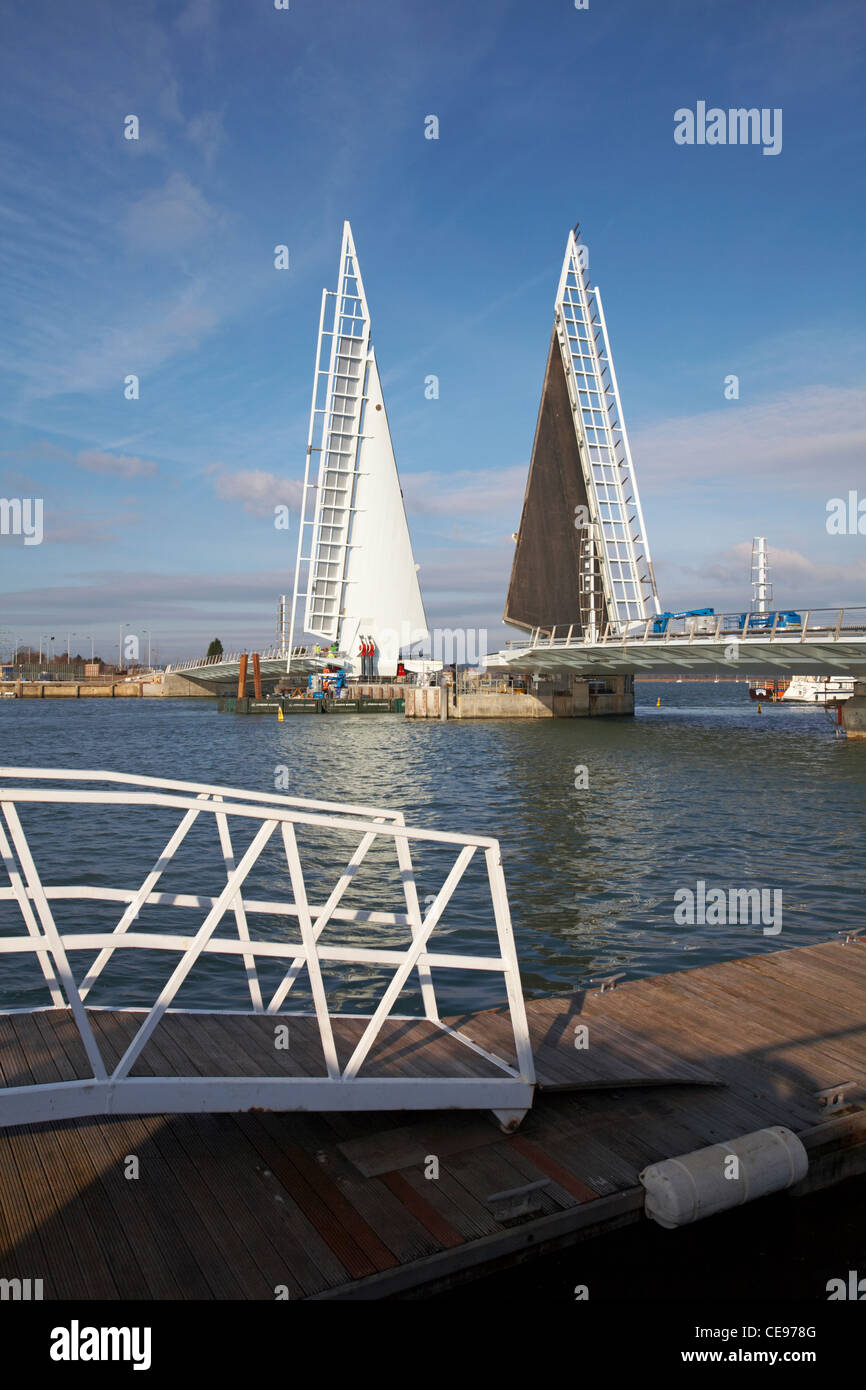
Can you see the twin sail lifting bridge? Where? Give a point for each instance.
(582, 583)
(582, 558)
(355, 572)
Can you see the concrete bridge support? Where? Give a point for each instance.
(854, 712)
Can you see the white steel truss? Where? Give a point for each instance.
(508, 1090)
(336, 421)
(354, 573)
(616, 525)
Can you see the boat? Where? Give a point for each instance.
(768, 689)
(819, 690)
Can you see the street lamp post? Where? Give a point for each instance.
(121, 626)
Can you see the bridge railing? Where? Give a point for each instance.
(273, 653)
(800, 625)
(269, 819)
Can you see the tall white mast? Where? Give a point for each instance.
(762, 589)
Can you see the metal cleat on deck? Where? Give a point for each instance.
(833, 1097)
(853, 934)
(517, 1202)
(609, 981)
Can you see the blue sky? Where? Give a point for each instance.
(261, 127)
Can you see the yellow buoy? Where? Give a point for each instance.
(760, 711)
(280, 715)
(658, 701)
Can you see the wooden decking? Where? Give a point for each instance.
(202, 1044)
(338, 1205)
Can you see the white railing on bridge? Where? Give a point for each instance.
(503, 1087)
(273, 653)
(789, 625)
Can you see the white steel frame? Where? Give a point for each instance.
(762, 589)
(336, 425)
(508, 1093)
(608, 469)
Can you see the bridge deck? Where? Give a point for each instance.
(338, 1205)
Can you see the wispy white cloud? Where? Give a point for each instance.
(174, 216)
(790, 440)
(257, 491)
(118, 465)
(64, 528)
(196, 16)
(177, 325)
(465, 494)
(722, 578)
(206, 132)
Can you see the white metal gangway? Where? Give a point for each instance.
(39, 804)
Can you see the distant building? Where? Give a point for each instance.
(92, 670)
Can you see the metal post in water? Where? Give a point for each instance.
(242, 677)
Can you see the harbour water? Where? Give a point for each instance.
(701, 788)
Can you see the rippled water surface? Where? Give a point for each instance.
(702, 787)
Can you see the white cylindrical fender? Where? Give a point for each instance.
(695, 1185)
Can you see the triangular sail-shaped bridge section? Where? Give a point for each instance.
(544, 587)
(355, 571)
(582, 558)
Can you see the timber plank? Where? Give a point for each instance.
(52, 1194)
(162, 1181)
(352, 1240)
(97, 1234)
(104, 1140)
(371, 1199)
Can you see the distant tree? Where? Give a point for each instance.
(215, 648)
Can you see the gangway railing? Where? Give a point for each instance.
(480, 1080)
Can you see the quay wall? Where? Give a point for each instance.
(72, 690)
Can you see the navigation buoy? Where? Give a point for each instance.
(658, 701)
(760, 711)
(280, 715)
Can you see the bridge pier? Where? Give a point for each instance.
(562, 697)
(854, 712)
